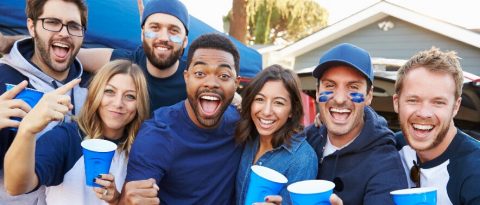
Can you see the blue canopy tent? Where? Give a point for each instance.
(116, 24)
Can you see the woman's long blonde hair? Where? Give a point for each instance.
(89, 120)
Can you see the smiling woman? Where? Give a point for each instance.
(116, 105)
(270, 128)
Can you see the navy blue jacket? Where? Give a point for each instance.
(455, 173)
(366, 170)
(16, 67)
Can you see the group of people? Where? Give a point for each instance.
(181, 141)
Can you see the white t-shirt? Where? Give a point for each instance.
(74, 191)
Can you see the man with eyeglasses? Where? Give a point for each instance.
(434, 152)
(46, 61)
(165, 25)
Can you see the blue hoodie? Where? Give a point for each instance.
(17, 66)
(365, 171)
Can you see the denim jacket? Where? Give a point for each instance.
(297, 162)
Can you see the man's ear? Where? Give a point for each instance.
(456, 106)
(31, 27)
(185, 42)
(395, 102)
(369, 97)
(185, 75)
(237, 82)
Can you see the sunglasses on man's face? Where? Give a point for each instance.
(415, 174)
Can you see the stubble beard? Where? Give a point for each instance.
(44, 53)
(438, 139)
(159, 63)
(208, 122)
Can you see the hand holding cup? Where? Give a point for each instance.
(108, 192)
(11, 107)
(53, 106)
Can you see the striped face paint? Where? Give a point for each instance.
(357, 97)
(325, 96)
(175, 39)
(152, 35)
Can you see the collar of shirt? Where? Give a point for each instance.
(330, 148)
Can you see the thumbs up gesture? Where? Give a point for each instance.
(53, 106)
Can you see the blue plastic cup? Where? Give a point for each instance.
(415, 196)
(263, 182)
(97, 156)
(311, 192)
(30, 96)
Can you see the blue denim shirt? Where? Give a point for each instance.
(297, 162)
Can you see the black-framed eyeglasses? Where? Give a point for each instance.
(56, 25)
(415, 174)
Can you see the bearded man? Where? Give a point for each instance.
(165, 26)
(434, 152)
(46, 60)
(187, 150)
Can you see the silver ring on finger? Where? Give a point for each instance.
(105, 192)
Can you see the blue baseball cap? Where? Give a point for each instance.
(348, 54)
(170, 7)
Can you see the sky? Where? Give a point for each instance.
(461, 12)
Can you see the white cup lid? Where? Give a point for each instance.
(99, 145)
(269, 174)
(420, 190)
(310, 186)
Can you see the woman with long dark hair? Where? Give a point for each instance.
(270, 130)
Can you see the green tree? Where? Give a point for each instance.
(268, 20)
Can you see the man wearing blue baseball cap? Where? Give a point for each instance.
(355, 148)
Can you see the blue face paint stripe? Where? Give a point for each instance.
(172, 38)
(149, 34)
(325, 96)
(175, 39)
(357, 97)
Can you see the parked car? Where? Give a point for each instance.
(385, 70)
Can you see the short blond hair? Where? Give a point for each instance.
(436, 61)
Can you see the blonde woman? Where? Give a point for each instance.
(116, 105)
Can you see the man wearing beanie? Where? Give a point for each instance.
(355, 148)
(164, 26)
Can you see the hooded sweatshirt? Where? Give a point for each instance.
(454, 173)
(365, 171)
(16, 67)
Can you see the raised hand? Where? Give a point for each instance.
(53, 106)
(140, 192)
(10, 107)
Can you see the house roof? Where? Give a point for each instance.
(371, 15)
